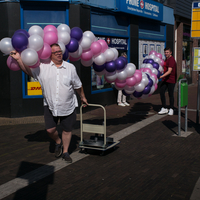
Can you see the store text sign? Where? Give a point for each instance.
(144, 8)
(195, 20)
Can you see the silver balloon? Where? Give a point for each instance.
(156, 59)
(77, 53)
(143, 65)
(100, 59)
(130, 69)
(152, 90)
(150, 66)
(29, 57)
(154, 71)
(64, 37)
(109, 54)
(129, 89)
(152, 56)
(89, 35)
(62, 46)
(160, 68)
(139, 87)
(145, 80)
(63, 28)
(6, 45)
(36, 30)
(111, 76)
(85, 42)
(116, 53)
(121, 75)
(153, 79)
(35, 42)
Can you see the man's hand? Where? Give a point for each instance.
(84, 101)
(15, 55)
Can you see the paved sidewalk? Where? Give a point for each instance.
(149, 163)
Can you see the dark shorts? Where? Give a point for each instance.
(66, 122)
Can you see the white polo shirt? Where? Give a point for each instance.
(58, 84)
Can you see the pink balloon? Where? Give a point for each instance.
(12, 64)
(120, 84)
(50, 37)
(87, 55)
(36, 65)
(74, 59)
(96, 48)
(152, 52)
(162, 62)
(154, 76)
(147, 70)
(45, 52)
(138, 77)
(131, 81)
(103, 44)
(156, 86)
(50, 28)
(159, 55)
(138, 71)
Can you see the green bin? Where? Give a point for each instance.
(184, 94)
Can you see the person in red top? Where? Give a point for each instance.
(168, 82)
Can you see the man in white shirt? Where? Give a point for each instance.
(59, 81)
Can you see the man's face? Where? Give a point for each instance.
(168, 53)
(56, 54)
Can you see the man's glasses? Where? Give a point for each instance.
(56, 52)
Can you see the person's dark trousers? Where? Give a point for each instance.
(163, 87)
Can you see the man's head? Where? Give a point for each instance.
(124, 54)
(56, 54)
(168, 52)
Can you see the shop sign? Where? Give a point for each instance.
(144, 8)
(34, 88)
(195, 20)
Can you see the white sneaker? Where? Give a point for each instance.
(126, 104)
(121, 104)
(163, 111)
(171, 112)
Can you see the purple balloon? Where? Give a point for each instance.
(124, 93)
(146, 90)
(98, 68)
(110, 66)
(158, 75)
(22, 31)
(155, 65)
(120, 63)
(145, 60)
(125, 59)
(73, 45)
(66, 55)
(150, 82)
(137, 94)
(76, 33)
(151, 61)
(147, 76)
(19, 41)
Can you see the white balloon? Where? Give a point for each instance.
(152, 56)
(148, 65)
(145, 80)
(130, 69)
(6, 45)
(157, 60)
(89, 35)
(64, 37)
(154, 71)
(160, 68)
(100, 73)
(109, 54)
(35, 42)
(143, 65)
(129, 89)
(29, 57)
(85, 42)
(63, 28)
(111, 76)
(116, 53)
(100, 59)
(139, 87)
(36, 30)
(87, 63)
(77, 53)
(121, 75)
(152, 90)
(153, 79)
(62, 46)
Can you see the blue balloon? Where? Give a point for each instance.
(151, 61)
(158, 75)
(155, 65)
(146, 90)
(137, 94)
(76, 33)
(66, 54)
(22, 31)
(110, 66)
(145, 60)
(19, 41)
(98, 68)
(150, 82)
(125, 59)
(120, 63)
(73, 45)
